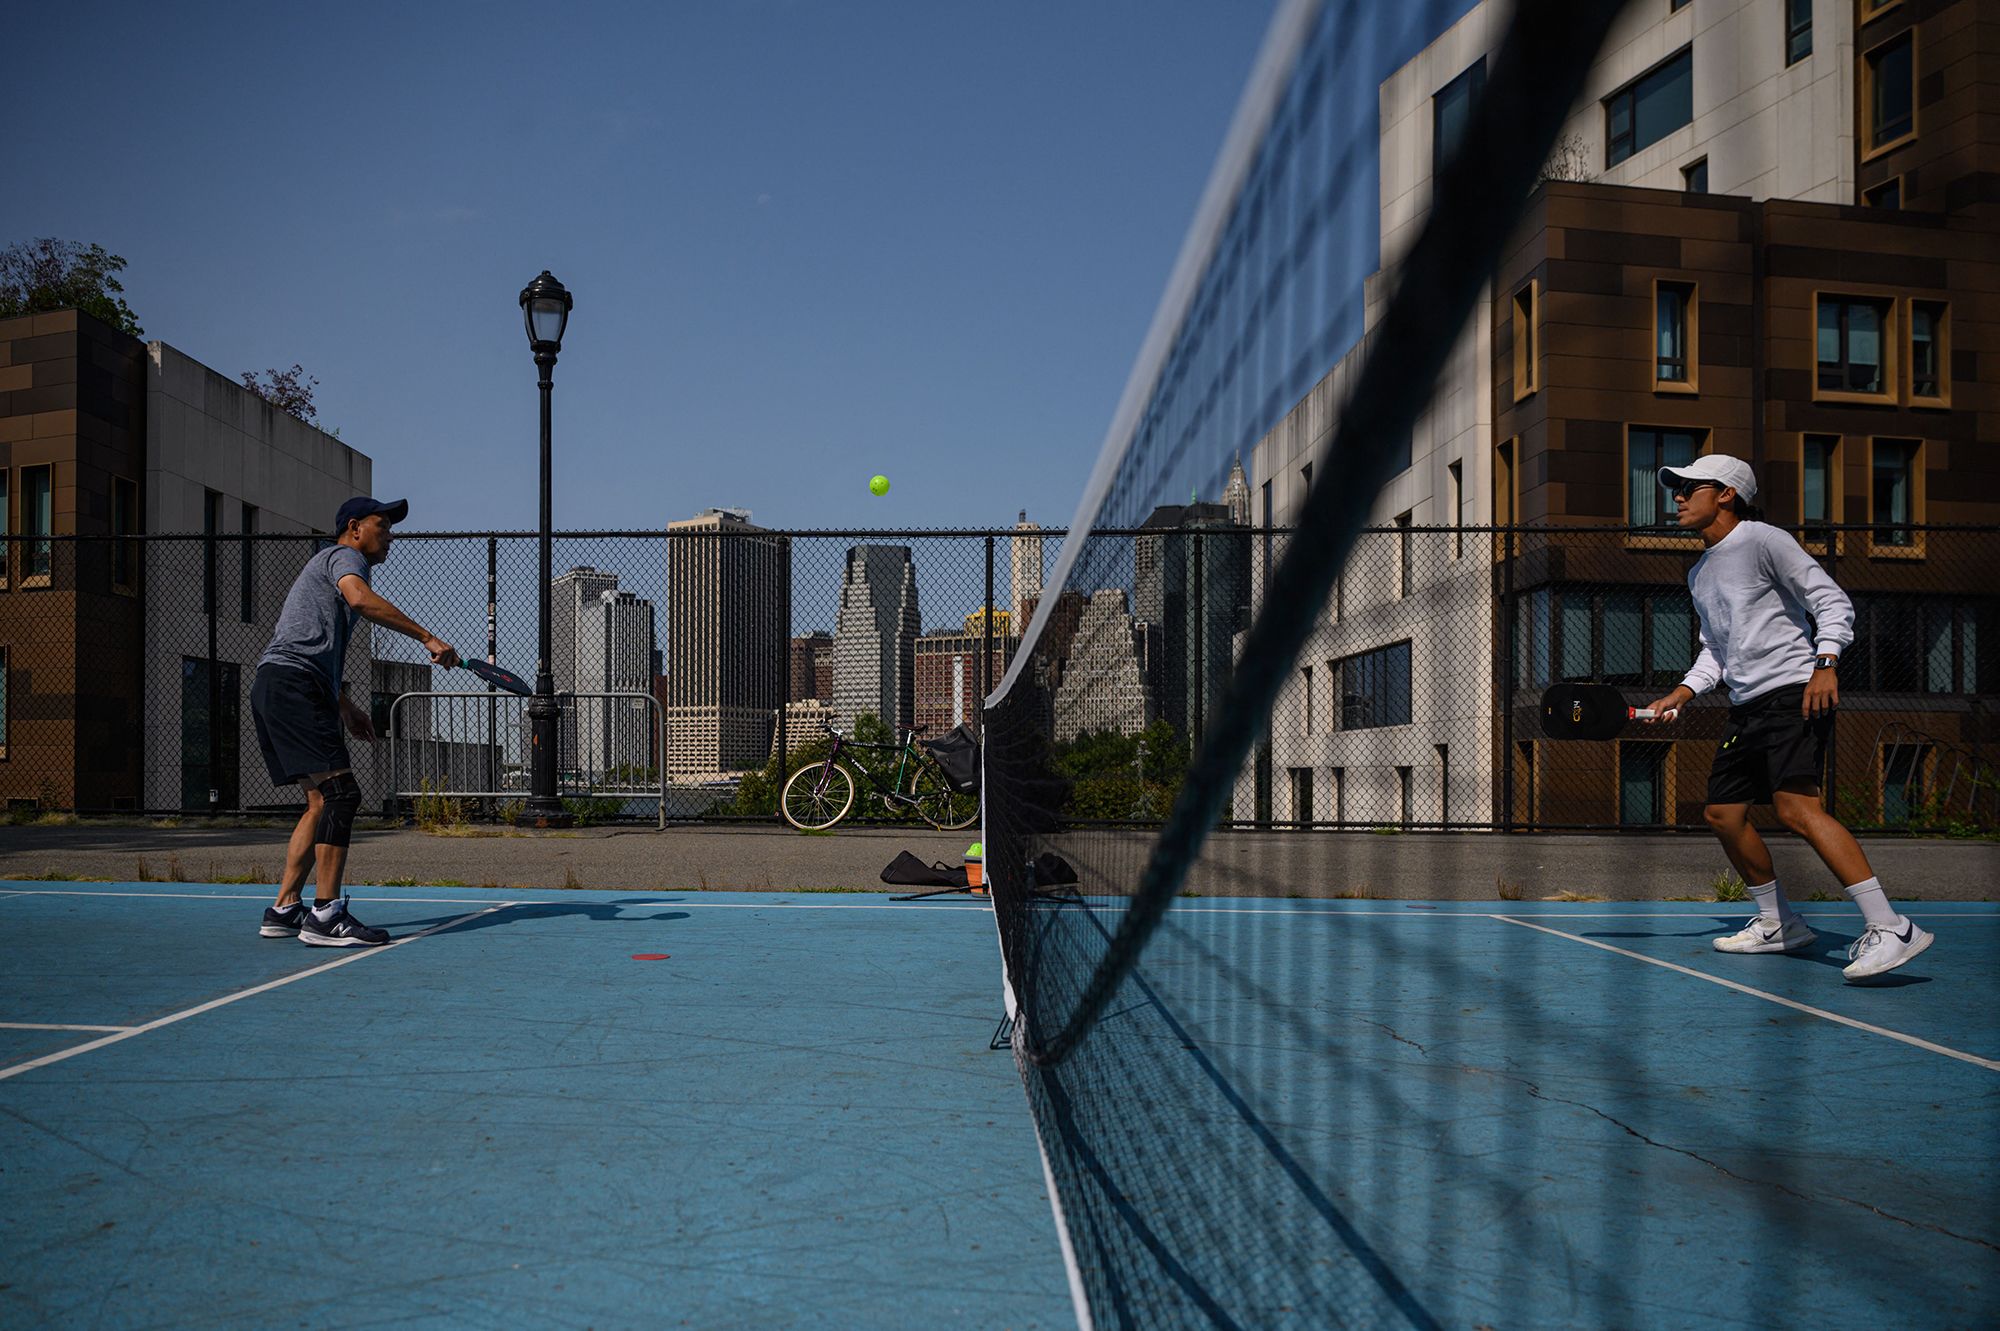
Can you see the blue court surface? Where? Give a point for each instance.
(1534, 1112)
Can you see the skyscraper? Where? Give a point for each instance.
(1104, 684)
(1192, 576)
(874, 639)
(729, 609)
(1236, 494)
(1026, 559)
(812, 668)
(572, 593)
(614, 655)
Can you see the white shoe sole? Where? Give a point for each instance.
(1917, 949)
(322, 940)
(278, 931)
(1775, 945)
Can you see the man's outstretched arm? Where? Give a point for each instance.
(378, 610)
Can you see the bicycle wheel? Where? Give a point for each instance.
(938, 804)
(817, 797)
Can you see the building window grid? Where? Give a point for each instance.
(1451, 111)
(1372, 689)
(1930, 350)
(1895, 495)
(1606, 636)
(1676, 326)
(1649, 108)
(1819, 482)
(1647, 450)
(1694, 176)
(6, 528)
(1527, 317)
(1405, 553)
(1889, 107)
(1798, 30)
(1853, 340)
(37, 520)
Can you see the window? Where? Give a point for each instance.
(1534, 635)
(36, 520)
(1853, 342)
(1454, 474)
(1674, 330)
(1694, 177)
(1648, 109)
(4, 713)
(1403, 794)
(1306, 478)
(1641, 783)
(1888, 88)
(1306, 681)
(210, 706)
(6, 529)
(1373, 688)
(1451, 112)
(1960, 638)
(124, 524)
(1930, 348)
(1673, 636)
(246, 568)
(1647, 450)
(1676, 6)
(1798, 30)
(1819, 483)
(211, 524)
(1444, 783)
(1404, 551)
(1527, 302)
(1888, 194)
(1895, 494)
(1339, 794)
(381, 711)
(1903, 781)
(1302, 795)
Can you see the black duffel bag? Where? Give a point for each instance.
(957, 755)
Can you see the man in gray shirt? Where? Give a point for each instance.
(298, 705)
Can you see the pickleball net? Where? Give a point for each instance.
(1178, 1097)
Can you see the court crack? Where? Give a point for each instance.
(1720, 1168)
(1727, 1172)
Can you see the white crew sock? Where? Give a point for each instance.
(1874, 902)
(328, 911)
(1771, 902)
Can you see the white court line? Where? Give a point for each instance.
(362, 954)
(1988, 1063)
(266, 896)
(49, 1026)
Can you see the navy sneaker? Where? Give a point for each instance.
(342, 930)
(283, 923)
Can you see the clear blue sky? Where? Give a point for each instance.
(808, 241)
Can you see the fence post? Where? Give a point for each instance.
(492, 658)
(986, 645)
(1507, 681)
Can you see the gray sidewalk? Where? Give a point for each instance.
(1470, 867)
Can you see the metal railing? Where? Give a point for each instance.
(448, 746)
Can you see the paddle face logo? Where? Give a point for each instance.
(1576, 712)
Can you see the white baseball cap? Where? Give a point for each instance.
(1728, 472)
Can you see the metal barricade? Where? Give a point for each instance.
(610, 746)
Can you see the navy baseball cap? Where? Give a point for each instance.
(361, 506)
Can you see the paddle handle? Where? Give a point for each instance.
(1648, 714)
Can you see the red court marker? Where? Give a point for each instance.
(649, 956)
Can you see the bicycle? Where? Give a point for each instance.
(822, 793)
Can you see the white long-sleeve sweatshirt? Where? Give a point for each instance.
(1766, 609)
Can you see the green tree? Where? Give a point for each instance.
(39, 276)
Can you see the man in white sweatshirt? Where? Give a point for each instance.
(1773, 626)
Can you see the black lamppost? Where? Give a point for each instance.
(545, 306)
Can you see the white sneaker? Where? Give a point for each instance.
(1767, 935)
(1883, 947)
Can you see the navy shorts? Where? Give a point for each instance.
(1769, 743)
(298, 723)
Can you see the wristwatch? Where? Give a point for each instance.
(1825, 662)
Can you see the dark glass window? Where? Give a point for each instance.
(1926, 349)
(36, 519)
(6, 529)
(247, 569)
(1694, 177)
(1892, 107)
(211, 523)
(1888, 194)
(1648, 109)
(1816, 480)
(1798, 30)
(1670, 332)
(1850, 344)
(1894, 491)
(197, 722)
(1641, 784)
(1374, 688)
(1451, 112)
(1651, 450)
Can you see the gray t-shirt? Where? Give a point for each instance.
(313, 627)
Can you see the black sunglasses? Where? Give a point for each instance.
(1686, 489)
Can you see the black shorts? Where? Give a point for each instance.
(1769, 743)
(298, 723)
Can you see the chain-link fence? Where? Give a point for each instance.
(127, 667)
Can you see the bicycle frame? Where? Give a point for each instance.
(906, 756)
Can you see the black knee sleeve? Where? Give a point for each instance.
(340, 800)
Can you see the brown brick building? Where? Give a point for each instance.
(72, 462)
